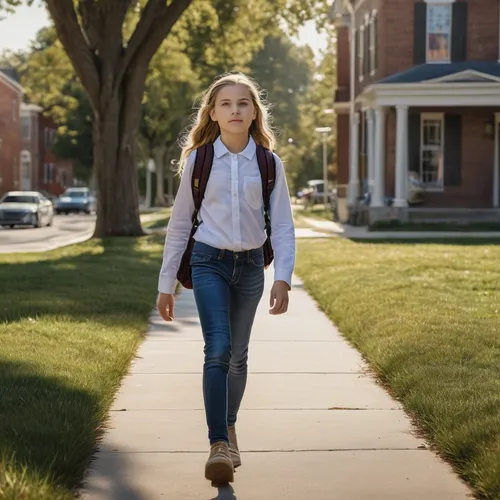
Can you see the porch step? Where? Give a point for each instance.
(453, 215)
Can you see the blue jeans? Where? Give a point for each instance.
(227, 287)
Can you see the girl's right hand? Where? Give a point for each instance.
(165, 306)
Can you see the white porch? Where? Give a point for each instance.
(468, 89)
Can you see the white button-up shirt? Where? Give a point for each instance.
(232, 212)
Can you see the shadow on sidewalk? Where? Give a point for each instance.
(225, 493)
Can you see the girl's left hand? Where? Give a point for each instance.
(279, 298)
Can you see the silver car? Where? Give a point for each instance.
(25, 208)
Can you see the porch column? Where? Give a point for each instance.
(379, 157)
(353, 187)
(371, 150)
(401, 157)
(496, 164)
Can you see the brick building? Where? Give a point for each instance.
(418, 92)
(42, 169)
(10, 133)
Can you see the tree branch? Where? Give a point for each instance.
(155, 24)
(69, 32)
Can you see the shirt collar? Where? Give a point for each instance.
(249, 152)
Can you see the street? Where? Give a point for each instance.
(66, 230)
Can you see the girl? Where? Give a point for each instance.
(227, 262)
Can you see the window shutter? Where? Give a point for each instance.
(459, 32)
(420, 33)
(375, 37)
(453, 150)
(366, 49)
(414, 143)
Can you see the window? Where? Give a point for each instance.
(432, 150)
(48, 173)
(15, 109)
(25, 128)
(439, 32)
(373, 43)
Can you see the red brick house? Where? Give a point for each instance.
(10, 133)
(42, 170)
(418, 92)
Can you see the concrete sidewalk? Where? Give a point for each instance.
(313, 425)
(363, 233)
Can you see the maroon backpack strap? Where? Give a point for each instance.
(200, 175)
(267, 167)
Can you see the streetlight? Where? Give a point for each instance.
(324, 131)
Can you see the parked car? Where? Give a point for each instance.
(313, 193)
(50, 196)
(25, 208)
(76, 200)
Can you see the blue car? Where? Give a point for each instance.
(76, 200)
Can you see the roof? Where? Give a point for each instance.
(472, 71)
(26, 108)
(6, 75)
(23, 193)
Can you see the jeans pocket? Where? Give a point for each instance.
(258, 259)
(198, 258)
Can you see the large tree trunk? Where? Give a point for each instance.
(160, 177)
(115, 144)
(113, 73)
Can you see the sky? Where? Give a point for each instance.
(17, 30)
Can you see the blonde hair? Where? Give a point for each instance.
(205, 131)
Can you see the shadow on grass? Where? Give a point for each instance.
(109, 279)
(59, 368)
(39, 415)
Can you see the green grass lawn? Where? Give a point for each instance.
(427, 318)
(70, 322)
(319, 212)
(157, 220)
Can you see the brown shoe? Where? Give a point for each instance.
(219, 468)
(233, 446)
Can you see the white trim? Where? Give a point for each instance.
(432, 94)
(11, 83)
(468, 73)
(30, 109)
(431, 116)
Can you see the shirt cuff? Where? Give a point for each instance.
(281, 275)
(167, 284)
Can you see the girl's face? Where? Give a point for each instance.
(234, 109)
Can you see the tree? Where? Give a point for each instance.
(112, 66)
(171, 87)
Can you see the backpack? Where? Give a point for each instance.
(199, 181)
